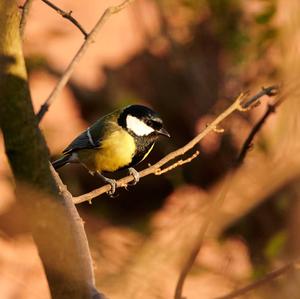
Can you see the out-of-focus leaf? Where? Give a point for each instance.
(266, 16)
(275, 245)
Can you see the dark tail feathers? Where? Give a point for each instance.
(61, 161)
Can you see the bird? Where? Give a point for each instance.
(117, 141)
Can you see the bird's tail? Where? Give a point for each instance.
(61, 161)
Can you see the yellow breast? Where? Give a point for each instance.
(116, 151)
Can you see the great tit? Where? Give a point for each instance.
(117, 141)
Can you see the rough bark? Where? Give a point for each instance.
(56, 227)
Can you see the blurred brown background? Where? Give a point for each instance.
(187, 59)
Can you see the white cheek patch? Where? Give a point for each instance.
(137, 126)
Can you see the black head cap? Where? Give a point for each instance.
(146, 115)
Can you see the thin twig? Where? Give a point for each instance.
(236, 106)
(267, 278)
(66, 15)
(269, 91)
(25, 11)
(217, 202)
(176, 164)
(257, 127)
(69, 70)
(248, 142)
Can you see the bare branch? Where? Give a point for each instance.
(88, 41)
(236, 106)
(67, 15)
(25, 11)
(267, 278)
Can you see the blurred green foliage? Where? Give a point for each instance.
(266, 15)
(275, 245)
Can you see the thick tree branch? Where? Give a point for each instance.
(79, 232)
(240, 104)
(25, 11)
(67, 15)
(88, 41)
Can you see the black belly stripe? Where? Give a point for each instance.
(137, 158)
(140, 156)
(143, 147)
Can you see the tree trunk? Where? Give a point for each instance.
(56, 227)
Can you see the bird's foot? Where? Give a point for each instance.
(135, 174)
(113, 185)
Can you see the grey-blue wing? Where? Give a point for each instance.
(81, 142)
(92, 137)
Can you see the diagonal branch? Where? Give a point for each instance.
(216, 203)
(267, 278)
(88, 41)
(248, 142)
(67, 15)
(238, 105)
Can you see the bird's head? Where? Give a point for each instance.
(141, 121)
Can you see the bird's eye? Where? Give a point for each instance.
(154, 124)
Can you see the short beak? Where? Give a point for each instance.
(163, 132)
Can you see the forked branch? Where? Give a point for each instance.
(88, 41)
(67, 15)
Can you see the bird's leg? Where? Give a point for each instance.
(112, 182)
(135, 174)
